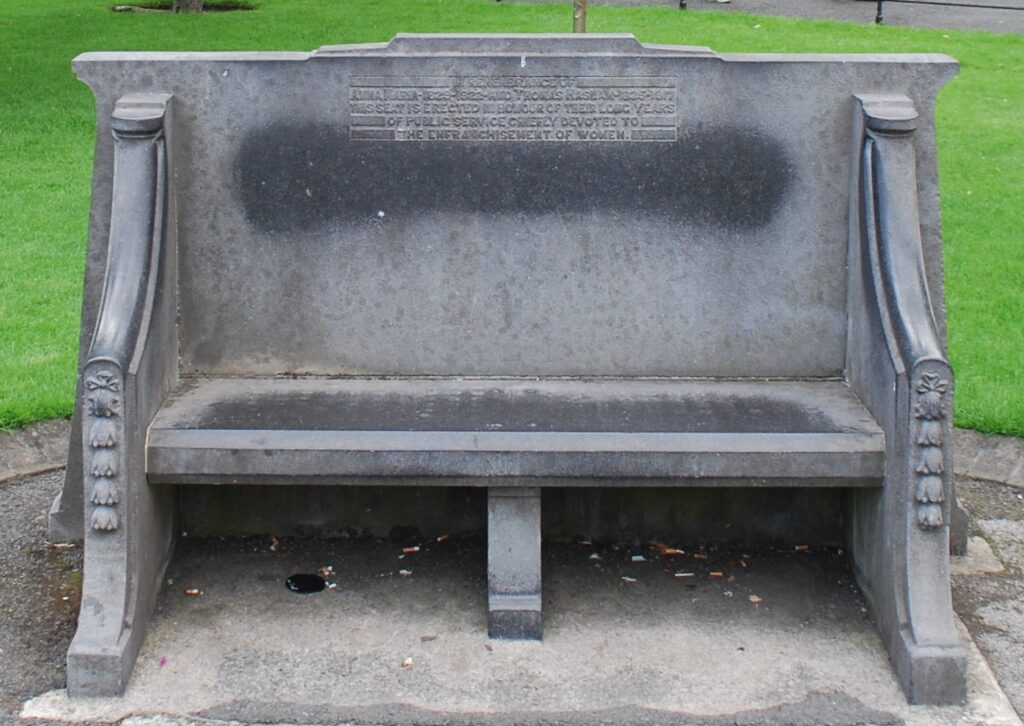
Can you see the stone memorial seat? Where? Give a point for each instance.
(515, 262)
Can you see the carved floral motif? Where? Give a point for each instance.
(104, 492)
(930, 425)
(102, 402)
(103, 434)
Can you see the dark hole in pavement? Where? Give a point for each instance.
(305, 583)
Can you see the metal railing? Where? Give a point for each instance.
(948, 3)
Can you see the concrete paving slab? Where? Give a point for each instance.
(993, 607)
(965, 447)
(1016, 477)
(992, 604)
(784, 639)
(34, 449)
(979, 560)
(1008, 538)
(997, 457)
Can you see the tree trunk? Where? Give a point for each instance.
(187, 6)
(579, 16)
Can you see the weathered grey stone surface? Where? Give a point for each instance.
(477, 432)
(131, 364)
(491, 242)
(513, 563)
(517, 207)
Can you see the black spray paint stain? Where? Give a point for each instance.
(300, 176)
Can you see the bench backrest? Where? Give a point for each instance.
(478, 206)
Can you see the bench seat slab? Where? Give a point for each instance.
(472, 431)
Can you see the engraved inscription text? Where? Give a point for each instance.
(513, 108)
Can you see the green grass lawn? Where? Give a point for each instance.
(46, 138)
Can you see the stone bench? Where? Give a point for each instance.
(515, 263)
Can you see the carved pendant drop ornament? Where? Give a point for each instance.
(103, 408)
(930, 410)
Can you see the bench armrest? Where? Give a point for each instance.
(137, 229)
(896, 364)
(900, 368)
(132, 359)
(131, 364)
